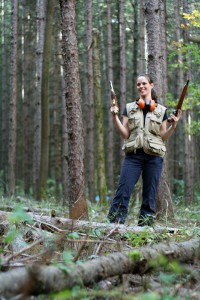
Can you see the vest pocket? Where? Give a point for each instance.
(131, 146)
(133, 122)
(154, 127)
(155, 147)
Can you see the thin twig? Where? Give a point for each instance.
(98, 248)
(7, 259)
(80, 249)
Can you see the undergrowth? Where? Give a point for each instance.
(168, 280)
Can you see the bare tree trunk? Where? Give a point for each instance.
(56, 128)
(155, 17)
(77, 199)
(101, 174)
(89, 102)
(13, 100)
(110, 136)
(56, 106)
(4, 108)
(135, 5)
(122, 50)
(189, 171)
(25, 102)
(142, 65)
(45, 98)
(65, 171)
(175, 152)
(37, 113)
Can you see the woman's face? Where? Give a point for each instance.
(144, 87)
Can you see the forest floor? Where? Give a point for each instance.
(40, 234)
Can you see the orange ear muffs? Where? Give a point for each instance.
(141, 103)
(152, 105)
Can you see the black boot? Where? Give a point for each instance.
(146, 221)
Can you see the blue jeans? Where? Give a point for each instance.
(134, 165)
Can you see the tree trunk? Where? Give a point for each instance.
(65, 170)
(77, 199)
(110, 135)
(135, 5)
(142, 64)
(4, 106)
(122, 54)
(26, 104)
(45, 99)
(37, 113)
(101, 174)
(89, 102)
(46, 279)
(175, 152)
(13, 100)
(154, 12)
(56, 107)
(189, 170)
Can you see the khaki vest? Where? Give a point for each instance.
(145, 136)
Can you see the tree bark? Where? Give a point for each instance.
(155, 13)
(175, 152)
(25, 97)
(45, 99)
(142, 63)
(110, 133)
(77, 198)
(136, 49)
(122, 57)
(56, 107)
(4, 106)
(65, 170)
(188, 116)
(45, 279)
(101, 173)
(89, 102)
(13, 100)
(37, 112)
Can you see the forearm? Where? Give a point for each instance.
(167, 132)
(124, 132)
(170, 130)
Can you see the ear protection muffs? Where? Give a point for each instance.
(141, 103)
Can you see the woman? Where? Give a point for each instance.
(145, 131)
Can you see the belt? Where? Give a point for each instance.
(137, 151)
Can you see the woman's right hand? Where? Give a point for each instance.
(114, 110)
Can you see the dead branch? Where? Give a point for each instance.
(61, 224)
(6, 260)
(36, 280)
(98, 248)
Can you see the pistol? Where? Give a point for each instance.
(113, 95)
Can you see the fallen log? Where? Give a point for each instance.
(59, 224)
(35, 280)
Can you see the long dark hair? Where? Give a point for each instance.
(150, 80)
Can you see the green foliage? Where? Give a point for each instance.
(142, 238)
(73, 235)
(149, 296)
(66, 266)
(19, 215)
(135, 255)
(11, 235)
